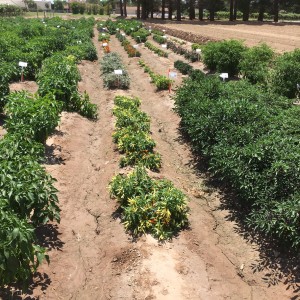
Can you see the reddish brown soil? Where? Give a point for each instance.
(91, 255)
(281, 37)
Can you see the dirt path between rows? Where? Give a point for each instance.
(91, 255)
(281, 37)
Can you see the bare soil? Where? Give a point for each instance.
(281, 36)
(91, 255)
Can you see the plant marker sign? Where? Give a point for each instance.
(104, 44)
(135, 47)
(171, 75)
(23, 65)
(118, 73)
(198, 51)
(164, 46)
(224, 76)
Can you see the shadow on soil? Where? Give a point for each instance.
(53, 152)
(48, 237)
(276, 263)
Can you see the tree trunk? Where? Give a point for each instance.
(276, 10)
(246, 12)
(151, 8)
(212, 11)
(121, 8)
(235, 9)
(125, 8)
(138, 9)
(200, 7)
(170, 9)
(231, 10)
(178, 8)
(192, 10)
(261, 11)
(144, 9)
(163, 9)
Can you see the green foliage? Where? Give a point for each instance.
(131, 51)
(32, 41)
(103, 37)
(156, 50)
(285, 75)
(183, 67)
(189, 55)
(159, 39)
(36, 116)
(19, 143)
(8, 10)
(223, 56)
(161, 82)
(59, 77)
(196, 46)
(110, 62)
(255, 63)
(4, 91)
(150, 206)
(250, 137)
(27, 190)
(141, 35)
(132, 135)
(19, 256)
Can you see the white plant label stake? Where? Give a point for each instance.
(164, 46)
(135, 47)
(104, 44)
(23, 65)
(172, 75)
(224, 76)
(198, 51)
(118, 73)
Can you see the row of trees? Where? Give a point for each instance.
(146, 8)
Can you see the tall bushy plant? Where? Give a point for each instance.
(255, 63)
(223, 56)
(251, 140)
(285, 75)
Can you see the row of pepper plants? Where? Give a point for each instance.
(247, 131)
(28, 197)
(148, 205)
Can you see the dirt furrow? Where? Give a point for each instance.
(207, 258)
(91, 255)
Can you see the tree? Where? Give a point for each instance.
(163, 8)
(58, 5)
(235, 9)
(144, 9)
(276, 10)
(125, 8)
(211, 9)
(178, 10)
(138, 9)
(192, 14)
(244, 7)
(170, 9)
(121, 7)
(231, 10)
(200, 8)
